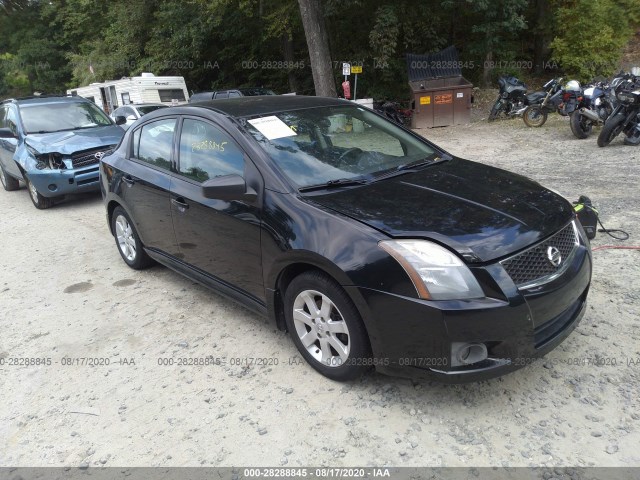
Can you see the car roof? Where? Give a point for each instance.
(44, 99)
(264, 104)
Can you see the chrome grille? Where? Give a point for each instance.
(88, 157)
(533, 264)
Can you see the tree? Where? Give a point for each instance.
(318, 43)
(591, 36)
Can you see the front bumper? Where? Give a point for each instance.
(416, 338)
(54, 183)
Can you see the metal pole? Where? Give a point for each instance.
(355, 88)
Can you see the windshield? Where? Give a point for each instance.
(319, 145)
(149, 108)
(56, 117)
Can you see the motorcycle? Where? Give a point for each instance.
(593, 108)
(394, 112)
(513, 98)
(536, 115)
(625, 118)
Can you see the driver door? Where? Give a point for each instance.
(218, 237)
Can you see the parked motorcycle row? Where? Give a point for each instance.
(614, 105)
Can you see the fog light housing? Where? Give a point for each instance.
(468, 353)
(53, 187)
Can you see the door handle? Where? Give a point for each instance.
(180, 203)
(128, 180)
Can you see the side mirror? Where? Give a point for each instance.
(121, 120)
(229, 187)
(7, 133)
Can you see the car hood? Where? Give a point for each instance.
(482, 212)
(73, 141)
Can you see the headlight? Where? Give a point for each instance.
(436, 273)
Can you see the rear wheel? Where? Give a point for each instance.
(38, 200)
(611, 130)
(326, 327)
(580, 125)
(8, 182)
(128, 241)
(534, 116)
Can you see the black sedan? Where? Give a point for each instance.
(370, 245)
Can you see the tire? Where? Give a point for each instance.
(611, 129)
(39, 201)
(8, 182)
(322, 322)
(534, 116)
(580, 125)
(495, 111)
(128, 241)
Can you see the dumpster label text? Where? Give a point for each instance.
(425, 100)
(444, 98)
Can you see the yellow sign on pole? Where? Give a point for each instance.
(356, 69)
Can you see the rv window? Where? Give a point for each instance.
(126, 100)
(168, 94)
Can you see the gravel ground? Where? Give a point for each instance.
(64, 292)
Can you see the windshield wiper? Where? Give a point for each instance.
(340, 182)
(408, 167)
(53, 131)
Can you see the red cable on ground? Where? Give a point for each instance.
(614, 247)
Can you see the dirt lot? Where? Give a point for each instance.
(64, 292)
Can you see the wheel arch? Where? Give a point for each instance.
(288, 272)
(111, 206)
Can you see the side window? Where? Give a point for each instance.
(3, 114)
(207, 152)
(234, 94)
(222, 95)
(153, 143)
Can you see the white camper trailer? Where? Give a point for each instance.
(147, 88)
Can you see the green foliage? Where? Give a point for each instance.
(591, 36)
(52, 45)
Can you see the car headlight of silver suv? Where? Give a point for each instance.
(436, 272)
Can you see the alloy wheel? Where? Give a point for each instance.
(126, 240)
(321, 328)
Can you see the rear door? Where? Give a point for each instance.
(219, 237)
(146, 183)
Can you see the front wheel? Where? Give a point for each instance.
(580, 125)
(611, 130)
(326, 327)
(534, 116)
(39, 201)
(495, 111)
